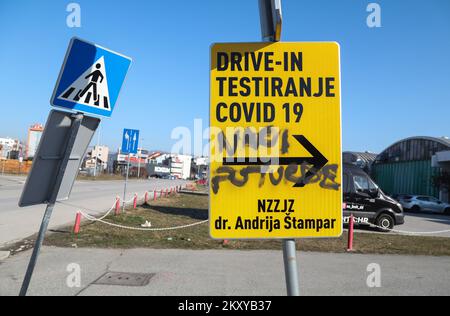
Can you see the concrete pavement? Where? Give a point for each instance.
(225, 272)
(94, 197)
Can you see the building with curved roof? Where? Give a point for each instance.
(411, 165)
(363, 160)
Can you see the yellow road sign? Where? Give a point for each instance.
(275, 119)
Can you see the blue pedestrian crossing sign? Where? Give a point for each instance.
(90, 79)
(130, 141)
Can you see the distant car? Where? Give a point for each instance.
(417, 203)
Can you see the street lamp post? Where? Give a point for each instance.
(96, 156)
(140, 156)
(139, 163)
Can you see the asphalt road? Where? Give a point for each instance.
(225, 272)
(417, 224)
(96, 197)
(93, 197)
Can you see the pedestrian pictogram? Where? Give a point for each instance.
(90, 79)
(91, 88)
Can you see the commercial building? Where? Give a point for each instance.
(200, 166)
(179, 165)
(98, 158)
(34, 136)
(6, 146)
(415, 165)
(363, 160)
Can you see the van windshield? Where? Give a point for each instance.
(364, 184)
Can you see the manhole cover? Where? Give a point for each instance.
(125, 279)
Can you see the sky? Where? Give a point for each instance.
(395, 79)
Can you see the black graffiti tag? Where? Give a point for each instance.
(326, 177)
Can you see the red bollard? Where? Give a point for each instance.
(146, 197)
(154, 195)
(350, 234)
(117, 212)
(76, 227)
(135, 201)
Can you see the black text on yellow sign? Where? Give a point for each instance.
(275, 120)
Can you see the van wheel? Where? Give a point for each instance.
(385, 222)
(415, 208)
(447, 211)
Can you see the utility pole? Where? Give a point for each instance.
(126, 183)
(139, 163)
(271, 21)
(96, 156)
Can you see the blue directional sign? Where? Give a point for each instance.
(90, 79)
(130, 141)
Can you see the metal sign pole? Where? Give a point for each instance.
(36, 249)
(78, 118)
(270, 16)
(126, 184)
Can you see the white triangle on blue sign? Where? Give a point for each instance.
(91, 88)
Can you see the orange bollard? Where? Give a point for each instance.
(154, 195)
(146, 197)
(117, 212)
(135, 201)
(350, 234)
(76, 227)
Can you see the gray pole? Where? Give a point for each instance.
(139, 164)
(290, 267)
(270, 16)
(96, 156)
(126, 183)
(78, 118)
(36, 249)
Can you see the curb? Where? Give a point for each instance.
(193, 192)
(4, 255)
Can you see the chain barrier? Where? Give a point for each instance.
(101, 220)
(407, 232)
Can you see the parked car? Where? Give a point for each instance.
(417, 203)
(367, 203)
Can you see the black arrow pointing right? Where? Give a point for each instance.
(317, 160)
